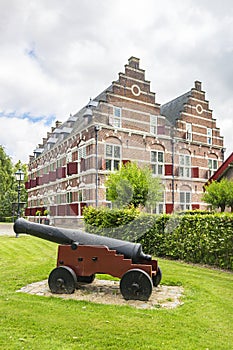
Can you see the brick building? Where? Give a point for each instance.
(180, 140)
(224, 171)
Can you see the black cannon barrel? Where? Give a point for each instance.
(67, 236)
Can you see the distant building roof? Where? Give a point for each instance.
(52, 140)
(223, 169)
(172, 109)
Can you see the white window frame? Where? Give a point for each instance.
(59, 162)
(69, 197)
(112, 158)
(209, 136)
(186, 203)
(153, 124)
(69, 156)
(157, 162)
(82, 152)
(212, 165)
(185, 165)
(117, 114)
(189, 132)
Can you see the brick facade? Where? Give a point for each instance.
(180, 140)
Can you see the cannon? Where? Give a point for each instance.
(81, 255)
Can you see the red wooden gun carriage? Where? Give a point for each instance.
(81, 255)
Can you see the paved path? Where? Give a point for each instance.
(6, 229)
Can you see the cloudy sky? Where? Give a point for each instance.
(56, 54)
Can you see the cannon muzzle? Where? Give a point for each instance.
(67, 236)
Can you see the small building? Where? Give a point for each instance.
(179, 140)
(224, 171)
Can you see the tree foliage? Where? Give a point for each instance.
(8, 184)
(219, 194)
(132, 185)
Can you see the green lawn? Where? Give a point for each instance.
(204, 321)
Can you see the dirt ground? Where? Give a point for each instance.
(108, 292)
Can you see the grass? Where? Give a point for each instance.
(32, 322)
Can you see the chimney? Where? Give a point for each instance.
(198, 85)
(58, 124)
(134, 62)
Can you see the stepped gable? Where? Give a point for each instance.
(131, 85)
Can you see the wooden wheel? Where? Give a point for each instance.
(156, 279)
(136, 284)
(62, 280)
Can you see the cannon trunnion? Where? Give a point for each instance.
(81, 255)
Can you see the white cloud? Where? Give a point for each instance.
(19, 137)
(57, 54)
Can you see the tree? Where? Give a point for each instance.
(230, 195)
(8, 184)
(219, 194)
(132, 185)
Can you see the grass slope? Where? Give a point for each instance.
(33, 322)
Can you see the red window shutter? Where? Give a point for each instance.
(73, 209)
(161, 129)
(38, 181)
(33, 183)
(61, 172)
(52, 176)
(168, 169)
(72, 168)
(61, 210)
(82, 206)
(169, 208)
(103, 164)
(125, 161)
(27, 211)
(33, 211)
(195, 172)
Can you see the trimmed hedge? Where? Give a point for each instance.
(199, 238)
(8, 219)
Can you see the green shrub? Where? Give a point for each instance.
(200, 238)
(7, 219)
